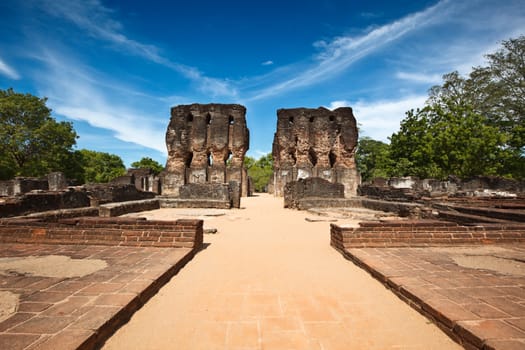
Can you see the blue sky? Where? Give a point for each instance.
(114, 68)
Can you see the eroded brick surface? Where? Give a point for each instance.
(479, 307)
(81, 312)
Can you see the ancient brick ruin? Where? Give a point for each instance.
(315, 143)
(206, 145)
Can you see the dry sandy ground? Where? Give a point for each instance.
(270, 280)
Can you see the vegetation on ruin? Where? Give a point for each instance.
(470, 126)
(148, 163)
(101, 167)
(260, 171)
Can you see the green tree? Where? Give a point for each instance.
(497, 92)
(446, 138)
(32, 143)
(260, 171)
(101, 167)
(148, 163)
(472, 125)
(373, 158)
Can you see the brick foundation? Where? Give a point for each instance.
(422, 233)
(104, 231)
(121, 208)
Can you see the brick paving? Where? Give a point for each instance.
(479, 308)
(81, 312)
(269, 279)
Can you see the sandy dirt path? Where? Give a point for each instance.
(270, 280)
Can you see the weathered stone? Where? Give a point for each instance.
(56, 181)
(22, 185)
(313, 187)
(114, 192)
(315, 143)
(144, 179)
(206, 144)
(205, 191)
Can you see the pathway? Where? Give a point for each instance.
(270, 280)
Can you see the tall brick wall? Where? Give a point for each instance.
(206, 144)
(315, 143)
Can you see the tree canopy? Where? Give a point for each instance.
(469, 126)
(148, 163)
(101, 167)
(32, 143)
(260, 171)
(373, 158)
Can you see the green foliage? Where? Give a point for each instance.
(148, 163)
(470, 126)
(441, 140)
(373, 158)
(101, 167)
(32, 143)
(260, 171)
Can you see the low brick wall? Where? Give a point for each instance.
(167, 202)
(489, 213)
(55, 215)
(121, 208)
(422, 233)
(404, 209)
(318, 202)
(105, 231)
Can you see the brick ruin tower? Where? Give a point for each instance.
(206, 144)
(315, 143)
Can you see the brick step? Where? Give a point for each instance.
(465, 218)
(502, 214)
(121, 208)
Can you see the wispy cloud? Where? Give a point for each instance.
(258, 153)
(419, 77)
(95, 19)
(8, 71)
(267, 63)
(380, 118)
(338, 54)
(75, 93)
(370, 15)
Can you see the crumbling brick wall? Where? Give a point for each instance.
(315, 143)
(206, 144)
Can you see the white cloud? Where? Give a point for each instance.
(267, 63)
(8, 71)
(336, 104)
(78, 93)
(380, 119)
(256, 154)
(341, 52)
(127, 126)
(420, 77)
(95, 19)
